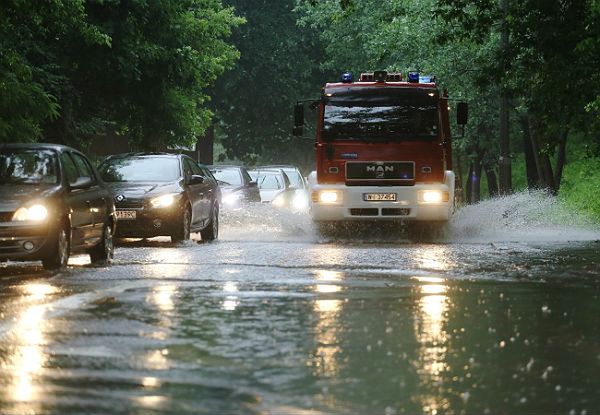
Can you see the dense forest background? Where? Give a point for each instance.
(170, 73)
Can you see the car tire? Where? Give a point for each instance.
(60, 248)
(103, 253)
(183, 231)
(211, 232)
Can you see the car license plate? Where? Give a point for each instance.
(126, 214)
(380, 197)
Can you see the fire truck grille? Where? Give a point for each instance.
(378, 171)
(395, 212)
(364, 212)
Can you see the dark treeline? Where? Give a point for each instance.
(166, 73)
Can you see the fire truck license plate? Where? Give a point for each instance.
(125, 214)
(377, 197)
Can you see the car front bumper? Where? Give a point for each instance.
(352, 206)
(15, 236)
(149, 223)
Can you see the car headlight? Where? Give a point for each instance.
(327, 196)
(163, 201)
(300, 201)
(433, 196)
(232, 199)
(36, 213)
(279, 200)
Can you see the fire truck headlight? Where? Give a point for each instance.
(433, 196)
(329, 196)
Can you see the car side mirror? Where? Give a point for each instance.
(298, 120)
(462, 113)
(252, 184)
(196, 179)
(81, 183)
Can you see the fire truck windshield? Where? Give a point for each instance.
(380, 113)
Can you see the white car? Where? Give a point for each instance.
(275, 187)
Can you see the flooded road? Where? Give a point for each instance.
(500, 315)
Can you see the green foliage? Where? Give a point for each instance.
(70, 69)
(279, 65)
(30, 32)
(581, 187)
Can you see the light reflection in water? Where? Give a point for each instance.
(431, 335)
(157, 360)
(434, 257)
(162, 297)
(26, 362)
(325, 360)
(169, 263)
(231, 301)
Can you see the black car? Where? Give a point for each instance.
(236, 184)
(162, 194)
(53, 203)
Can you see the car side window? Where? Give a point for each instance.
(187, 168)
(196, 169)
(83, 166)
(69, 167)
(207, 173)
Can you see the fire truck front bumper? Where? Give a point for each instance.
(421, 202)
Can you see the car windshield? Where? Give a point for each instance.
(140, 169)
(28, 166)
(228, 176)
(380, 114)
(269, 181)
(295, 179)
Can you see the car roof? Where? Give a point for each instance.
(269, 170)
(279, 166)
(46, 146)
(146, 154)
(225, 166)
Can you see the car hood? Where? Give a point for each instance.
(141, 190)
(13, 196)
(269, 195)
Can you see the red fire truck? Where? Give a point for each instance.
(383, 150)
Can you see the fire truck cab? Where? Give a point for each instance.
(383, 150)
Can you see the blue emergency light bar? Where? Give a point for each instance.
(347, 77)
(426, 79)
(413, 77)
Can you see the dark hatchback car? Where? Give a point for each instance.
(236, 184)
(162, 194)
(53, 203)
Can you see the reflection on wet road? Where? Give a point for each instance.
(273, 319)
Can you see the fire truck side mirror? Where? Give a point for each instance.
(298, 120)
(462, 113)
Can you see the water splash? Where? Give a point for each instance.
(261, 221)
(521, 217)
(528, 216)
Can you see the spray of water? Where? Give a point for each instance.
(521, 217)
(529, 216)
(262, 221)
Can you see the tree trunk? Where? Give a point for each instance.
(533, 178)
(544, 167)
(476, 185)
(474, 181)
(204, 146)
(469, 186)
(560, 159)
(492, 180)
(459, 191)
